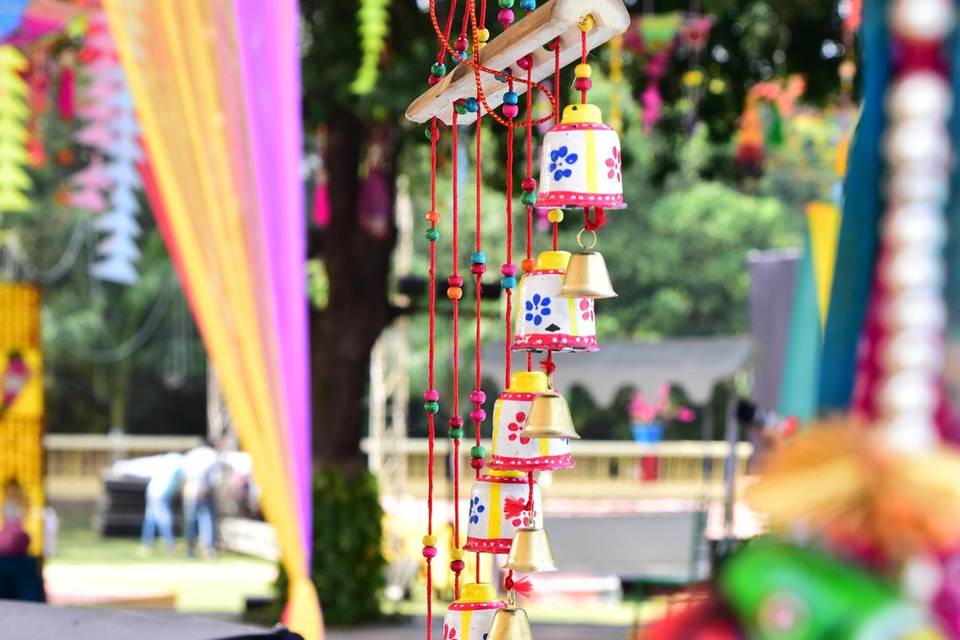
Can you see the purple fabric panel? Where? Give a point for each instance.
(270, 63)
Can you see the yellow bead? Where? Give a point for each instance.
(586, 23)
(456, 554)
(429, 541)
(483, 35)
(582, 71)
(555, 215)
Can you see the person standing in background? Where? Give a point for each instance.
(201, 473)
(161, 489)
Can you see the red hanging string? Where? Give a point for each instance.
(509, 261)
(556, 116)
(455, 420)
(583, 60)
(594, 223)
(530, 484)
(432, 313)
(444, 46)
(529, 177)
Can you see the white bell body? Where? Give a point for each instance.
(510, 450)
(545, 321)
(497, 510)
(470, 617)
(580, 163)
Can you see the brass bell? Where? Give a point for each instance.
(510, 624)
(549, 418)
(530, 552)
(587, 277)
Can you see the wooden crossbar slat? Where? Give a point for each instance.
(529, 35)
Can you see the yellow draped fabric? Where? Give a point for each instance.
(823, 219)
(182, 64)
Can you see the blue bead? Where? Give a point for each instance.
(508, 282)
(472, 105)
(528, 5)
(478, 257)
(510, 97)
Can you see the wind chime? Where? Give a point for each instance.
(549, 300)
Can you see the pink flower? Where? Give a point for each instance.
(613, 165)
(685, 414)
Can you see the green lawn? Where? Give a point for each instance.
(86, 566)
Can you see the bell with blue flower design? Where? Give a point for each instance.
(471, 616)
(580, 163)
(545, 319)
(499, 506)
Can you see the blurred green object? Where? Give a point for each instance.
(373, 21)
(784, 592)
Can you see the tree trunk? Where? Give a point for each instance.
(358, 308)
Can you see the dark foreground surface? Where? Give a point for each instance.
(26, 621)
(540, 632)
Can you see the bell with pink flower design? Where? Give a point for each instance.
(546, 318)
(511, 449)
(471, 616)
(498, 508)
(580, 163)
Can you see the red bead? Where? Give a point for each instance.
(456, 422)
(477, 396)
(530, 184)
(478, 415)
(455, 281)
(432, 79)
(457, 566)
(431, 396)
(432, 217)
(476, 463)
(525, 62)
(528, 265)
(583, 84)
(511, 110)
(505, 17)
(478, 269)
(461, 43)
(429, 552)
(509, 269)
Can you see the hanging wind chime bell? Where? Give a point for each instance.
(512, 448)
(498, 507)
(510, 623)
(530, 552)
(472, 615)
(545, 321)
(587, 275)
(550, 418)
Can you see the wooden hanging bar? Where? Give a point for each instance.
(529, 35)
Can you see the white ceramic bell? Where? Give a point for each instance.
(580, 164)
(545, 321)
(471, 616)
(498, 507)
(511, 450)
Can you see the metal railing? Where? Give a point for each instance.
(610, 469)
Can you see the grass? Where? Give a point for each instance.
(86, 566)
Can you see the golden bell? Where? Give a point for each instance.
(587, 277)
(530, 552)
(549, 418)
(510, 624)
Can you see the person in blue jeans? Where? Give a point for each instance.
(161, 489)
(200, 477)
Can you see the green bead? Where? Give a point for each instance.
(428, 134)
(433, 234)
(431, 407)
(461, 107)
(456, 433)
(476, 451)
(529, 198)
(506, 4)
(438, 69)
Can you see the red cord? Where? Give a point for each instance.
(444, 47)
(583, 60)
(431, 421)
(509, 310)
(529, 176)
(455, 257)
(556, 78)
(530, 493)
(599, 219)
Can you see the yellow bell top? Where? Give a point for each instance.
(528, 382)
(477, 592)
(552, 260)
(582, 114)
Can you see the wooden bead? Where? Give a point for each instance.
(586, 23)
(583, 71)
(432, 217)
(454, 293)
(555, 215)
(528, 265)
